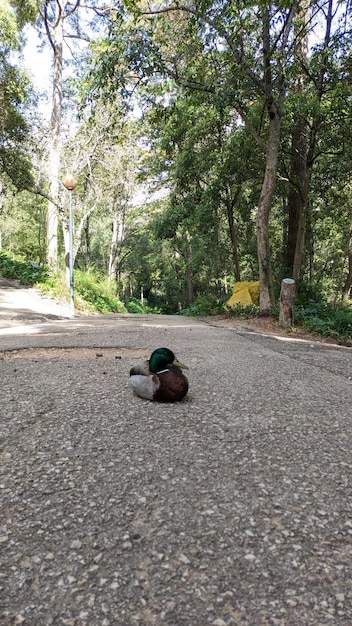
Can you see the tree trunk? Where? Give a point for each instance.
(233, 237)
(56, 41)
(189, 271)
(116, 237)
(274, 107)
(304, 14)
(296, 200)
(347, 288)
(87, 246)
(287, 298)
(267, 298)
(301, 231)
(298, 191)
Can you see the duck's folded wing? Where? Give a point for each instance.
(140, 368)
(145, 386)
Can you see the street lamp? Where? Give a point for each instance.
(70, 182)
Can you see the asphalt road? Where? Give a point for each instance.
(231, 507)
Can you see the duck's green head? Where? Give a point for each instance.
(161, 358)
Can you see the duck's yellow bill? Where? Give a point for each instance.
(179, 364)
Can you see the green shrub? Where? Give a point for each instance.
(204, 305)
(136, 306)
(26, 272)
(241, 310)
(326, 320)
(314, 316)
(308, 293)
(96, 295)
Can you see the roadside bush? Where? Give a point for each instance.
(204, 305)
(318, 317)
(136, 306)
(326, 320)
(240, 310)
(27, 273)
(96, 295)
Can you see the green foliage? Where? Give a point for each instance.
(22, 226)
(308, 293)
(204, 305)
(203, 111)
(14, 14)
(96, 295)
(240, 310)
(315, 316)
(27, 273)
(56, 287)
(91, 292)
(324, 319)
(136, 306)
(15, 165)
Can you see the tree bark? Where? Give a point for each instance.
(296, 199)
(298, 190)
(54, 30)
(287, 298)
(347, 288)
(233, 237)
(267, 298)
(314, 127)
(189, 270)
(274, 106)
(117, 234)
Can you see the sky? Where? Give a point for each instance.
(38, 64)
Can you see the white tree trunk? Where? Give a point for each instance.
(116, 240)
(56, 41)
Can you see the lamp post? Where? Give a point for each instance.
(70, 182)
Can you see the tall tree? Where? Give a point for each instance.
(61, 22)
(53, 15)
(319, 82)
(243, 57)
(297, 193)
(104, 155)
(206, 164)
(14, 91)
(215, 50)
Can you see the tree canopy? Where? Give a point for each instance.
(234, 118)
(14, 91)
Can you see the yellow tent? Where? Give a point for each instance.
(244, 293)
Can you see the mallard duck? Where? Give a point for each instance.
(160, 378)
